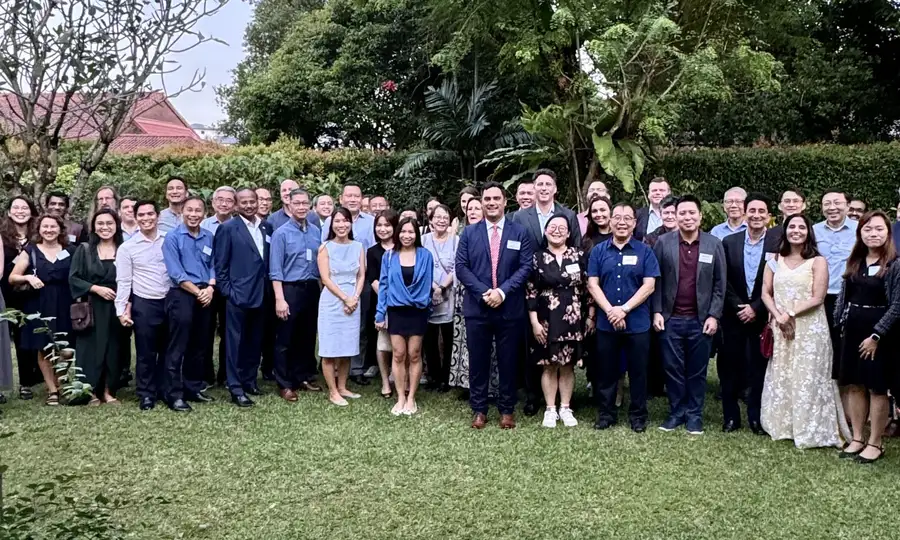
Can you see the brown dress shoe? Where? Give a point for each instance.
(310, 386)
(479, 421)
(288, 394)
(507, 421)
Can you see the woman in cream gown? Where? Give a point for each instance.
(800, 401)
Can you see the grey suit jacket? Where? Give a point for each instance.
(711, 277)
(528, 218)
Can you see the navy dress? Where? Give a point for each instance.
(51, 300)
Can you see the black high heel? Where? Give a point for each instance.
(866, 461)
(848, 455)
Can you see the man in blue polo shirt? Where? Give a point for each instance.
(295, 278)
(187, 254)
(622, 274)
(734, 205)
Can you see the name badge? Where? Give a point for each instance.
(770, 256)
(308, 254)
(72, 239)
(629, 260)
(207, 250)
(514, 244)
(573, 269)
(706, 258)
(268, 239)
(874, 269)
(65, 255)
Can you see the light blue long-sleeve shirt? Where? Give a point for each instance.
(363, 230)
(752, 259)
(835, 245)
(722, 230)
(293, 253)
(188, 257)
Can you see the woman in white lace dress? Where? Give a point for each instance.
(800, 401)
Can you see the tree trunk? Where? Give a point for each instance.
(89, 164)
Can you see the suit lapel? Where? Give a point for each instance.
(675, 253)
(739, 259)
(245, 234)
(534, 223)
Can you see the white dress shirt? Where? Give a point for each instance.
(490, 229)
(255, 232)
(140, 269)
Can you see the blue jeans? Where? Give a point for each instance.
(685, 350)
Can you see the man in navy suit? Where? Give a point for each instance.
(493, 262)
(241, 256)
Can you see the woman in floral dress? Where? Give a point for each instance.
(555, 294)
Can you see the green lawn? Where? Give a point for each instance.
(311, 470)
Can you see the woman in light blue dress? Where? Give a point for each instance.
(342, 266)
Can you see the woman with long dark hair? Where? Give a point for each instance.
(800, 401)
(598, 229)
(92, 279)
(16, 231)
(866, 311)
(342, 265)
(44, 267)
(385, 224)
(465, 195)
(404, 298)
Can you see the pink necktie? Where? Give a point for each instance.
(495, 254)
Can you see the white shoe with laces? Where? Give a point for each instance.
(568, 419)
(550, 418)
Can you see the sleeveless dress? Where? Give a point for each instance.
(51, 300)
(800, 401)
(339, 332)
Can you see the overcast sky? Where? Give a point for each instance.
(218, 61)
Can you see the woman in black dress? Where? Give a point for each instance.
(555, 294)
(379, 341)
(867, 309)
(44, 267)
(16, 230)
(92, 278)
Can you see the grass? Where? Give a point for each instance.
(311, 470)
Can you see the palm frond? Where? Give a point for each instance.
(416, 161)
(512, 133)
(480, 95)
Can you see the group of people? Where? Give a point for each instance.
(484, 299)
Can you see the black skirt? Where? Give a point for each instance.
(875, 374)
(407, 321)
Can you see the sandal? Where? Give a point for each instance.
(94, 402)
(867, 461)
(847, 455)
(25, 393)
(52, 399)
(113, 401)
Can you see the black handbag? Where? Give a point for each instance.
(82, 315)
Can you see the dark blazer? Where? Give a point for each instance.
(736, 287)
(710, 276)
(528, 219)
(473, 269)
(240, 271)
(641, 217)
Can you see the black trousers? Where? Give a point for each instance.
(189, 331)
(610, 348)
(438, 350)
(656, 375)
(741, 355)
(830, 301)
(244, 339)
(295, 338)
(29, 374)
(150, 339)
(268, 342)
(210, 374)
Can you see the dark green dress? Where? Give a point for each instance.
(97, 349)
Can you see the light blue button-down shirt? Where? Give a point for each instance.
(722, 230)
(363, 230)
(211, 224)
(835, 245)
(279, 218)
(654, 220)
(168, 220)
(294, 252)
(752, 258)
(188, 257)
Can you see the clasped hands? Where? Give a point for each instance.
(492, 298)
(350, 304)
(616, 316)
(786, 324)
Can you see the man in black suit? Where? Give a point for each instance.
(650, 219)
(745, 316)
(533, 220)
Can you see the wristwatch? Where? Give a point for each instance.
(875, 337)
(791, 314)
(626, 309)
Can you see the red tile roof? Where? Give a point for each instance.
(152, 122)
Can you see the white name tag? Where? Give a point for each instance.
(514, 244)
(65, 255)
(629, 260)
(770, 256)
(207, 250)
(268, 239)
(308, 254)
(705, 258)
(573, 269)
(72, 239)
(874, 269)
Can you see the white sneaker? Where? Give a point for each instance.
(568, 419)
(371, 372)
(550, 418)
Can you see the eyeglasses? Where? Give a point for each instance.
(732, 202)
(623, 219)
(558, 228)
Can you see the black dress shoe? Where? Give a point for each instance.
(730, 426)
(757, 428)
(639, 426)
(241, 400)
(253, 390)
(603, 423)
(531, 408)
(199, 397)
(360, 380)
(147, 403)
(180, 405)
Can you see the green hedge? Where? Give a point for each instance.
(871, 172)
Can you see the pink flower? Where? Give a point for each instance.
(389, 86)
